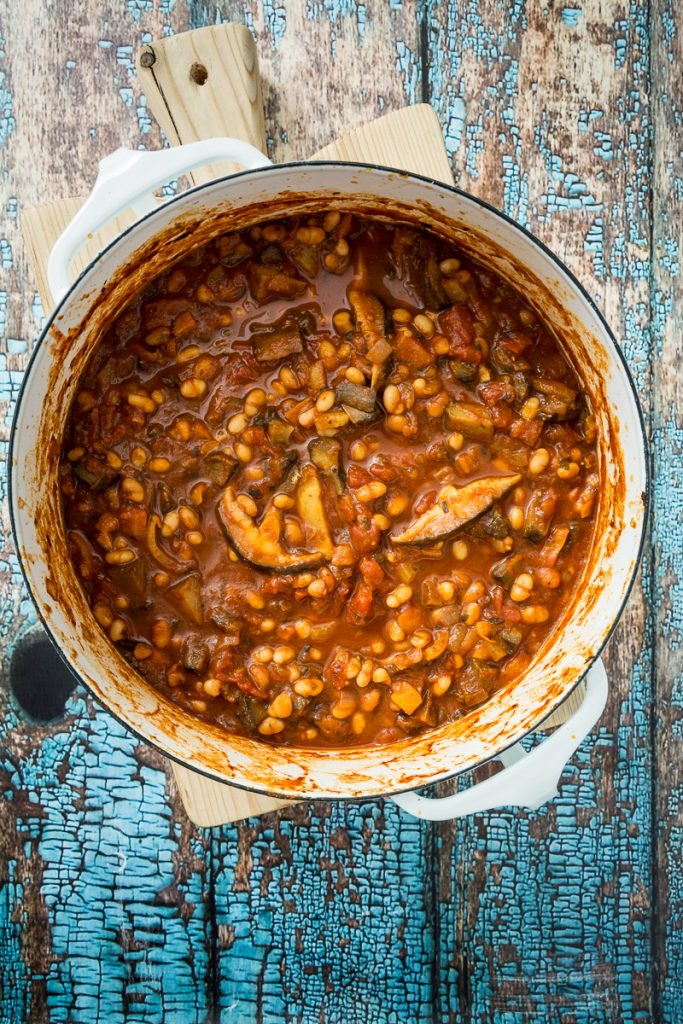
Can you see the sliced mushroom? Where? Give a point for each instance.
(229, 624)
(357, 415)
(326, 456)
(94, 472)
(279, 432)
(261, 544)
(454, 507)
(369, 314)
(153, 546)
(539, 514)
(415, 257)
(219, 467)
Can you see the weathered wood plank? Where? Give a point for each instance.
(326, 65)
(104, 912)
(205, 84)
(541, 916)
(106, 904)
(111, 951)
(325, 914)
(667, 435)
(547, 915)
(338, 897)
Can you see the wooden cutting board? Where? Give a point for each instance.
(199, 85)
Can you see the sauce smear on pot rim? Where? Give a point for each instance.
(327, 482)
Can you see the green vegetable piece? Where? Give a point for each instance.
(356, 395)
(279, 432)
(228, 624)
(539, 515)
(470, 419)
(195, 656)
(251, 711)
(272, 346)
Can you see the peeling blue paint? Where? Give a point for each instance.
(408, 67)
(667, 439)
(143, 116)
(275, 19)
(455, 126)
(136, 8)
(5, 254)
(571, 15)
(604, 147)
(290, 964)
(7, 122)
(357, 913)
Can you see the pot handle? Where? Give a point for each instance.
(527, 779)
(127, 179)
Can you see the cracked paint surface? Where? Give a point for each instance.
(112, 906)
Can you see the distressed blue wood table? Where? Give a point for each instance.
(113, 907)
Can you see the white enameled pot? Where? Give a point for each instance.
(160, 236)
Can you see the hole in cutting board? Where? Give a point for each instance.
(198, 74)
(39, 679)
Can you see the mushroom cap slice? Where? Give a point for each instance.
(454, 507)
(309, 506)
(260, 544)
(369, 315)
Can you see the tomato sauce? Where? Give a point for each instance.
(329, 482)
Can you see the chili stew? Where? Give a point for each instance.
(327, 482)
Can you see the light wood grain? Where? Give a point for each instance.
(204, 84)
(410, 139)
(210, 803)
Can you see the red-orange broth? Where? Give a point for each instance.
(327, 482)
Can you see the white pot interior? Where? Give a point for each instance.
(146, 250)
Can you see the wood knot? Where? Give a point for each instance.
(147, 58)
(198, 74)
